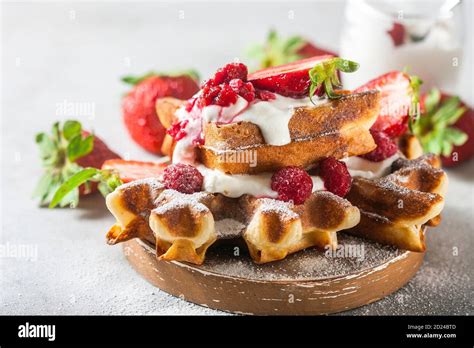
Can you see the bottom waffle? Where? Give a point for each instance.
(183, 226)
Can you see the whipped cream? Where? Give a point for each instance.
(236, 185)
(272, 117)
(358, 166)
(259, 185)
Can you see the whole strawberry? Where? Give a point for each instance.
(278, 51)
(65, 152)
(446, 127)
(138, 106)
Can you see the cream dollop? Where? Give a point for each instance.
(272, 117)
(236, 185)
(359, 166)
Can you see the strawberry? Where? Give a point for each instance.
(278, 51)
(114, 173)
(64, 153)
(397, 33)
(134, 170)
(398, 95)
(310, 50)
(446, 127)
(138, 106)
(305, 76)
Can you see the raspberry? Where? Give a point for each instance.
(264, 95)
(245, 90)
(292, 184)
(386, 147)
(236, 84)
(335, 175)
(183, 178)
(229, 72)
(222, 95)
(177, 131)
(209, 93)
(226, 96)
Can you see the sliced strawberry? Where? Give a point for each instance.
(290, 80)
(396, 96)
(134, 170)
(114, 173)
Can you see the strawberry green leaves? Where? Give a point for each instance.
(433, 128)
(325, 75)
(276, 50)
(135, 80)
(58, 152)
(79, 147)
(108, 182)
(414, 111)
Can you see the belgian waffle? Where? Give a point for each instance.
(392, 207)
(337, 128)
(183, 226)
(395, 208)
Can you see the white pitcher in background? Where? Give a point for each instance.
(423, 36)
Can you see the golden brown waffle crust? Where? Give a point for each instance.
(338, 128)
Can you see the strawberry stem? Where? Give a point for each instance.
(325, 75)
(59, 152)
(433, 127)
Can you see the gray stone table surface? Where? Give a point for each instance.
(57, 53)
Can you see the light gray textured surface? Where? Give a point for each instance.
(77, 52)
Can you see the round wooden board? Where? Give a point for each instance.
(305, 283)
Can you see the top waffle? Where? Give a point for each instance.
(337, 128)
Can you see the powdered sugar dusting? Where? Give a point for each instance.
(304, 265)
(228, 228)
(175, 200)
(153, 183)
(284, 209)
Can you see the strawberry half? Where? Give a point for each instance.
(289, 80)
(134, 170)
(113, 174)
(398, 93)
